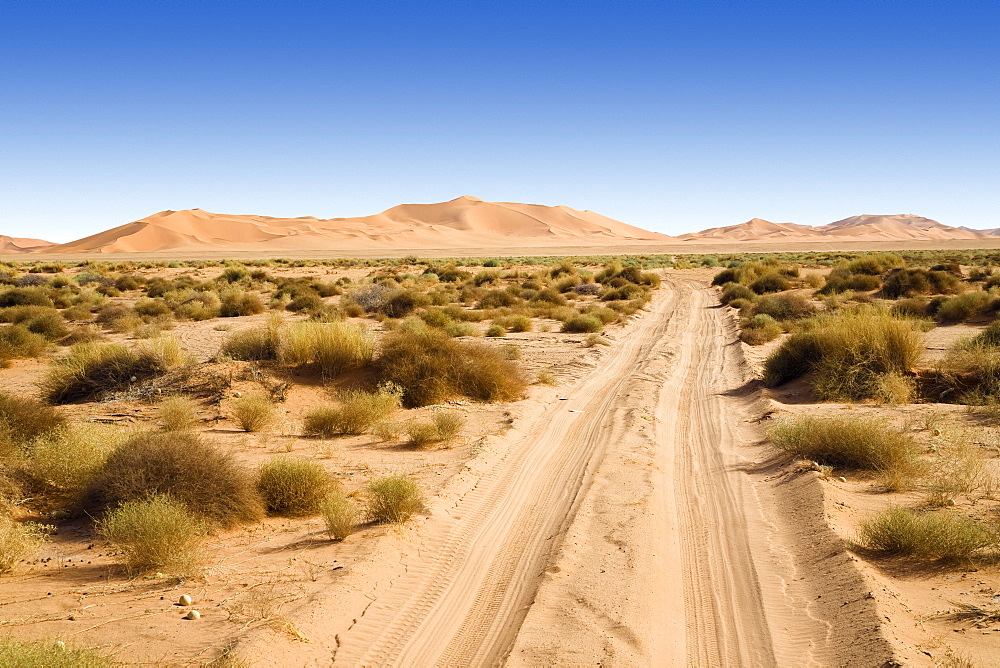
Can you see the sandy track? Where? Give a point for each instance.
(615, 527)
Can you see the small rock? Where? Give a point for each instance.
(842, 479)
(194, 614)
(184, 600)
(237, 394)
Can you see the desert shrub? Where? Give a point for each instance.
(234, 274)
(929, 535)
(393, 499)
(847, 354)
(37, 319)
(549, 296)
(498, 299)
(989, 337)
(734, 291)
(963, 307)
(235, 303)
(191, 305)
(128, 282)
(855, 443)
(770, 282)
(25, 297)
(292, 486)
(92, 369)
(910, 307)
(448, 424)
(152, 308)
(760, 329)
(253, 412)
(254, 345)
(841, 280)
(330, 348)
(24, 419)
(404, 302)
(430, 367)
(457, 329)
(970, 372)
(305, 301)
(511, 351)
(17, 541)
(209, 481)
(495, 330)
(17, 341)
(370, 297)
(875, 264)
(156, 533)
(442, 427)
(918, 281)
(357, 413)
(340, 515)
(784, 307)
(20, 653)
(583, 324)
(178, 413)
(64, 462)
(587, 289)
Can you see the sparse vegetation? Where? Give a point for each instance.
(17, 541)
(340, 515)
(357, 413)
(178, 413)
(942, 535)
(292, 486)
(22, 653)
(852, 442)
(253, 412)
(208, 481)
(393, 499)
(154, 533)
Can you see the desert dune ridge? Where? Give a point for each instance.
(463, 223)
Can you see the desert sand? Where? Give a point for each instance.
(468, 226)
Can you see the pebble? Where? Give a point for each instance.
(184, 600)
(194, 614)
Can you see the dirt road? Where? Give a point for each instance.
(615, 524)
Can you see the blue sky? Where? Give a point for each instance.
(675, 116)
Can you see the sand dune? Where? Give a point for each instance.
(902, 227)
(22, 245)
(461, 223)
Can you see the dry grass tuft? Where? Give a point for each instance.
(157, 533)
(254, 412)
(393, 499)
(927, 535)
(178, 413)
(357, 413)
(20, 653)
(292, 486)
(849, 442)
(340, 515)
(17, 541)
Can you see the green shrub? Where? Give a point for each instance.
(770, 282)
(357, 413)
(448, 424)
(442, 427)
(93, 369)
(32, 296)
(734, 291)
(918, 281)
(910, 307)
(292, 486)
(156, 533)
(856, 443)
(760, 329)
(207, 480)
(929, 535)
(430, 367)
(253, 412)
(253, 345)
(340, 515)
(19, 653)
(583, 324)
(841, 280)
(393, 499)
(847, 354)
(495, 330)
(784, 307)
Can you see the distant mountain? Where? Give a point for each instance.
(465, 222)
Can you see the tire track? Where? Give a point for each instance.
(480, 560)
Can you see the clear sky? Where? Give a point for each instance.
(674, 116)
